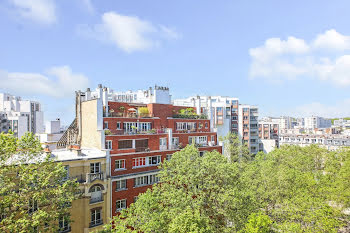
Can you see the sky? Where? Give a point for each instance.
(286, 57)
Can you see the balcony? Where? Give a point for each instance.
(97, 199)
(80, 178)
(135, 132)
(127, 115)
(90, 177)
(183, 116)
(96, 223)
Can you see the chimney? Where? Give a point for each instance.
(75, 148)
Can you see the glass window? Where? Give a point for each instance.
(95, 167)
(121, 185)
(120, 164)
(120, 204)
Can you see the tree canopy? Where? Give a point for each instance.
(33, 192)
(291, 189)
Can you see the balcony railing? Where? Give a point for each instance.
(142, 149)
(126, 115)
(80, 178)
(204, 117)
(96, 199)
(96, 223)
(90, 177)
(135, 132)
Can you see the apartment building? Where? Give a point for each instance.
(4, 123)
(269, 135)
(248, 126)
(328, 141)
(89, 167)
(226, 115)
(131, 139)
(52, 134)
(23, 115)
(314, 122)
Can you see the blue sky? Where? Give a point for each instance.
(287, 57)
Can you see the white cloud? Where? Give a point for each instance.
(57, 82)
(279, 60)
(339, 109)
(332, 39)
(41, 11)
(128, 33)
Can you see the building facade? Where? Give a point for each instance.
(128, 140)
(314, 122)
(269, 136)
(226, 116)
(52, 134)
(23, 115)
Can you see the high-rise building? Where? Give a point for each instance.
(269, 135)
(314, 122)
(248, 126)
(23, 115)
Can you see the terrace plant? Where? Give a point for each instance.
(143, 111)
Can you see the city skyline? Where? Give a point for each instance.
(287, 59)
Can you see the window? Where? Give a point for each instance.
(118, 125)
(139, 162)
(121, 185)
(168, 157)
(64, 224)
(153, 179)
(125, 144)
(234, 102)
(212, 138)
(234, 118)
(202, 139)
(162, 141)
(120, 204)
(206, 125)
(234, 125)
(245, 109)
(245, 118)
(191, 140)
(120, 164)
(108, 144)
(95, 167)
(105, 125)
(140, 181)
(135, 198)
(146, 180)
(175, 141)
(96, 217)
(185, 125)
(154, 160)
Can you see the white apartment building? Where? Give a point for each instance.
(52, 134)
(314, 122)
(23, 115)
(284, 122)
(157, 94)
(328, 141)
(222, 111)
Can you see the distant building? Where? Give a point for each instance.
(328, 141)
(269, 135)
(52, 134)
(4, 123)
(226, 115)
(23, 115)
(314, 122)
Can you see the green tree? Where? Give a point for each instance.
(235, 149)
(33, 193)
(195, 194)
(143, 111)
(293, 186)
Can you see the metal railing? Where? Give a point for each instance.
(96, 199)
(90, 177)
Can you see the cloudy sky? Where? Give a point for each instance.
(287, 57)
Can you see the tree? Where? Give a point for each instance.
(234, 149)
(33, 193)
(195, 194)
(293, 186)
(143, 111)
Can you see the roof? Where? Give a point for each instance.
(86, 154)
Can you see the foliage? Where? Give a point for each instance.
(187, 111)
(258, 223)
(32, 189)
(196, 194)
(108, 132)
(291, 189)
(297, 188)
(234, 149)
(143, 111)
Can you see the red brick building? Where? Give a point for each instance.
(139, 137)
